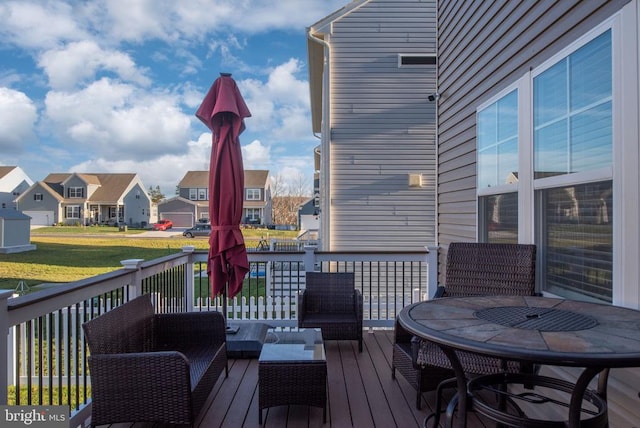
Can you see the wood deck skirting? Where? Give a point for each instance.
(361, 393)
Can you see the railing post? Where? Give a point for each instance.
(432, 270)
(135, 288)
(309, 258)
(4, 345)
(189, 280)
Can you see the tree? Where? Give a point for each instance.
(287, 194)
(155, 194)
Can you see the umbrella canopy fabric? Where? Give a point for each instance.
(223, 110)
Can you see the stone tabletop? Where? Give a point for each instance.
(527, 328)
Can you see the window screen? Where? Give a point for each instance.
(577, 240)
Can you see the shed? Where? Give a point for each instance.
(15, 232)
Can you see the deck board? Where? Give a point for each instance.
(361, 393)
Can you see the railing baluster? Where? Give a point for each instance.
(51, 344)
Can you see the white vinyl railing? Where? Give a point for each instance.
(45, 353)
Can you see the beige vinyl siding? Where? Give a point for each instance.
(481, 51)
(483, 47)
(383, 127)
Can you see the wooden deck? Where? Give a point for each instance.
(361, 393)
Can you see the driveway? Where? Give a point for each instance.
(159, 233)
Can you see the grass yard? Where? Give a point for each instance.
(66, 254)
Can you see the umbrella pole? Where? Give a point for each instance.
(225, 294)
(224, 304)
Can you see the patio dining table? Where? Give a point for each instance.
(533, 329)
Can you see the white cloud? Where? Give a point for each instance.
(280, 106)
(45, 24)
(79, 62)
(165, 171)
(118, 121)
(19, 115)
(38, 25)
(102, 105)
(172, 20)
(255, 155)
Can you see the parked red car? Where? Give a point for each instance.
(162, 225)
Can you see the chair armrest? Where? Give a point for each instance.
(190, 329)
(359, 303)
(359, 308)
(301, 306)
(440, 292)
(400, 335)
(416, 343)
(153, 377)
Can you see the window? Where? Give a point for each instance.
(497, 141)
(76, 192)
(577, 255)
(198, 194)
(573, 133)
(253, 215)
(38, 197)
(545, 167)
(572, 111)
(499, 214)
(72, 211)
(253, 194)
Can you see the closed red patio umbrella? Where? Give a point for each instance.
(223, 110)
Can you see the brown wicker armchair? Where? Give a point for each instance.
(472, 269)
(148, 367)
(332, 303)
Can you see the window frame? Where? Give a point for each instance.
(203, 194)
(250, 194)
(624, 168)
(251, 213)
(74, 191)
(71, 209)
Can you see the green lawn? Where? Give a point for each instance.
(66, 254)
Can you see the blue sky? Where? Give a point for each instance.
(113, 85)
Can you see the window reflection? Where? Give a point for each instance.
(498, 142)
(499, 218)
(577, 241)
(572, 112)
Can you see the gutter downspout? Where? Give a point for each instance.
(325, 143)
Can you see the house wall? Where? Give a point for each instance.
(48, 204)
(75, 181)
(137, 207)
(382, 129)
(14, 232)
(181, 212)
(484, 47)
(13, 184)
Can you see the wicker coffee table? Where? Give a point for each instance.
(292, 369)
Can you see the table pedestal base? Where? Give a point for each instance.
(593, 406)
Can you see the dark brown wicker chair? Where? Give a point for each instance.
(332, 303)
(148, 367)
(472, 269)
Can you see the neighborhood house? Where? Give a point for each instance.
(192, 202)
(84, 198)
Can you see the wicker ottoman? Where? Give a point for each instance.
(292, 369)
